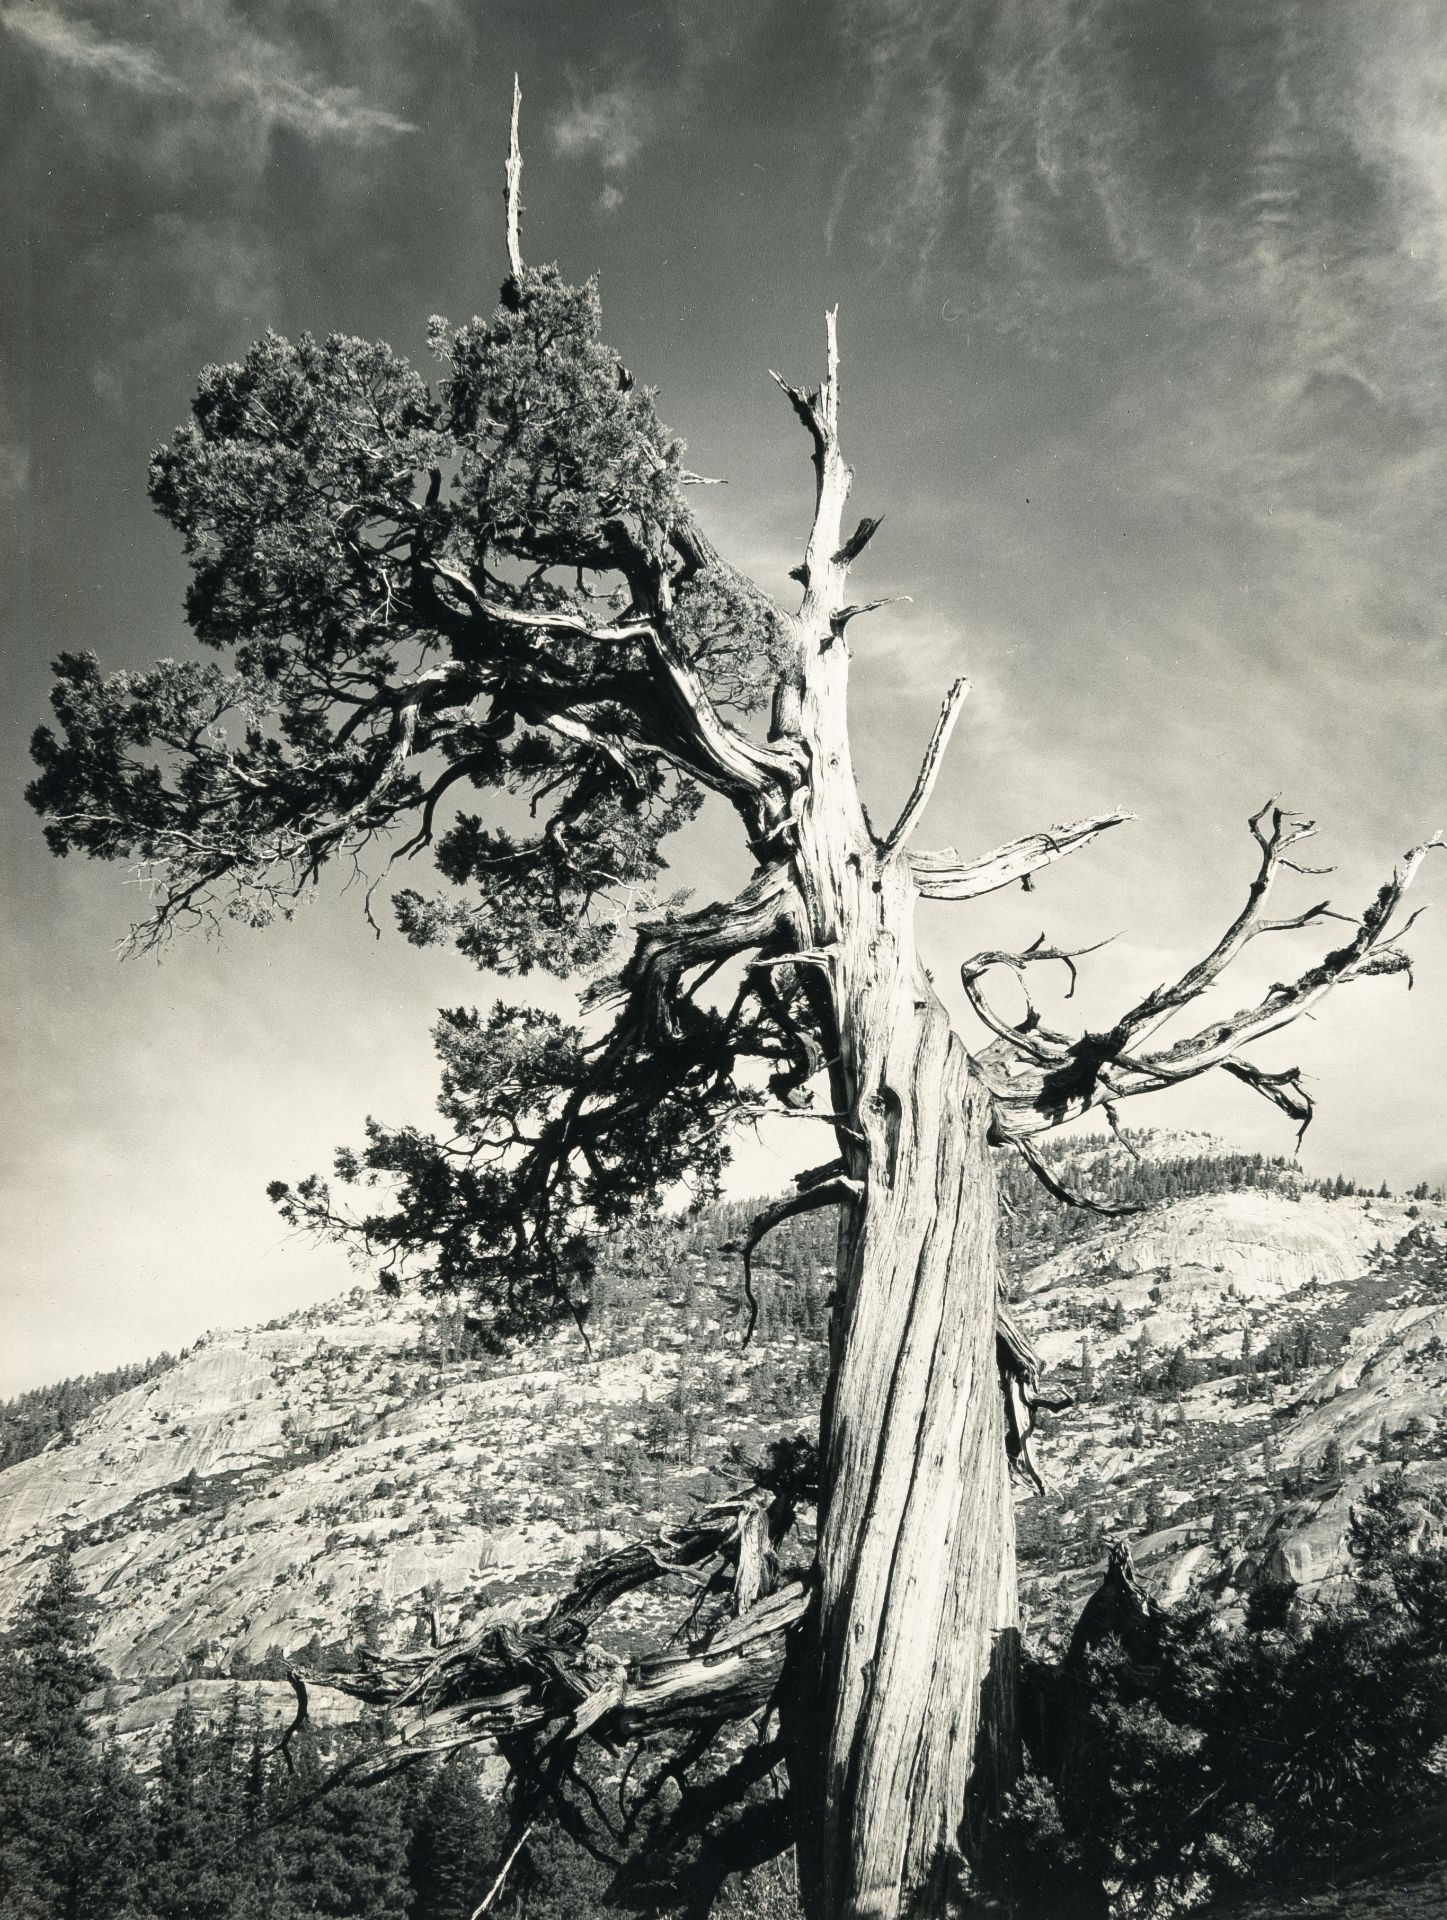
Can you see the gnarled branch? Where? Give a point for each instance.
(1019, 1367)
(542, 1688)
(825, 1187)
(944, 875)
(1040, 1078)
(668, 947)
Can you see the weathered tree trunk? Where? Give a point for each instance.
(902, 1718)
(904, 1710)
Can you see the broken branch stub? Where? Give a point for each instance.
(943, 875)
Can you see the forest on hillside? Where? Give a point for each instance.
(1127, 1173)
(31, 1420)
(1314, 1732)
(1170, 1755)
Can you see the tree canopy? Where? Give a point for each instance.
(493, 585)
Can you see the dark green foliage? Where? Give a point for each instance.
(555, 447)
(31, 1420)
(489, 586)
(50, 1782)
(345, 522)
(465, 1213)
(201, 1820)
(344, 1853)
(455, 1846)
(115, 1843)
(1042, 1873)
(1189, 1755)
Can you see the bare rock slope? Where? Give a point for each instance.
(1244, 1362)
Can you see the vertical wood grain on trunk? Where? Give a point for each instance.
(917, 1543)
(901, 1707)
(905, 1714)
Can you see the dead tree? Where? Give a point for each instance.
(498, 584)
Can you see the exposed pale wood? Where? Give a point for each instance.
(513, 195)
(908, 1697)
(547, 1680)
(955, 697)
(500, 1879)
(1040, 1077)
(943, 875)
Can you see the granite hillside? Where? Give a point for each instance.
(1244, 1361)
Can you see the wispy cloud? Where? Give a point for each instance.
(608, 125)
(1238, 222)
(14, 472)
(74, 42)
(228, 77)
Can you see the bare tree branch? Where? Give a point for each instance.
(944, 876)
(840, 620)
(500, 1878)
(1040, 1078)
(826, 563)
(859, 539)
(1019, 1368)
(955, 698)
(549, 1684)
(828, 1189)
(727, 758)
(1279, 832)
(1068, 1196)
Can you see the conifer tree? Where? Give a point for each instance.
(454, 1845)
(200, 1865)
(113, 1844)
(481, 621)
(341, 1854)
(49, 1779)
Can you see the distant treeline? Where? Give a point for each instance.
(32, 1420)
(1171, 1753)
(1094, 1167)
(226, 1826)
(1132, 1172)
(650, 1260)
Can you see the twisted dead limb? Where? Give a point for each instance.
(538, 1692)
(827, 1186)
(1040, 1078)
(1020, 1370)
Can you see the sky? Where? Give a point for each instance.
(1142, 322)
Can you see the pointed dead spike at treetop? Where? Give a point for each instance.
(512, 192)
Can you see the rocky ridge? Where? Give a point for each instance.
(1243, 1361)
